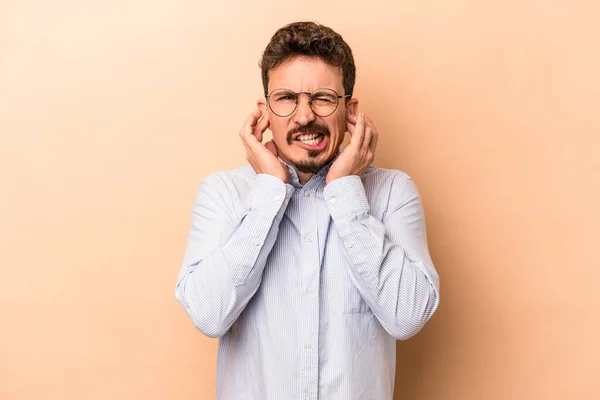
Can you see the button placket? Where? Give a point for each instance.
(308, 201)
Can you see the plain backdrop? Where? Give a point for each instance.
(112, 112)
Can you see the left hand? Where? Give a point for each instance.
(360, 153)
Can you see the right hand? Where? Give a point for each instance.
(262, 157)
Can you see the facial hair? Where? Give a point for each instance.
(310, 166)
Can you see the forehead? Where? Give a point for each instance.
(305, 74)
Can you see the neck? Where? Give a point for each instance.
(304, 178)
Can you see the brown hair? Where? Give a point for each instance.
(311, 40)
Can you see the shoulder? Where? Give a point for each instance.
(228, 183)
(378, 179)
(391, 190)
(226, 190)
(230, 178)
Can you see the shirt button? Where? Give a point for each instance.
(309, 291)
(308, 346)
(276, 198)
(349, 244)
(307, 398)
(332, 200)
(257, 242)
(306, 194)
(309, 238)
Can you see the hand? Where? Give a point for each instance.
(262, 157)
(360, 153)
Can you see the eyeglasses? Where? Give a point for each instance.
(323, 102)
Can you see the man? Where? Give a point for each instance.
(309, 263)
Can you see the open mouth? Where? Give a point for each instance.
(311, 139)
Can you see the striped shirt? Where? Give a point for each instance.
(308, 286)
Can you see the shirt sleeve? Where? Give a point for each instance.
(225, 256)
(389, 260)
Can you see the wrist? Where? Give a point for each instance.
(285, 178)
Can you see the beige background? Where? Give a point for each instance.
(111, 112)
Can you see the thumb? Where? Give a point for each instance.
(272, 147)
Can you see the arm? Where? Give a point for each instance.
(390, 262)
(225, 256)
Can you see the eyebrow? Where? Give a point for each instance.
(291, 91)
(283, 92)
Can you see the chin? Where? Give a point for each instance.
(312, 165)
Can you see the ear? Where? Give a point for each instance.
(262, 106)
(352, 106)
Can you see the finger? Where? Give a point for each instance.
(350, 122)
(272, 147)
(359, 132)
(374, 136)
(248, 139)
(350, 128)
(250, 122)
(253, 145)
(245, 143)
(261, 127)
(369, 133)
(373, 144)
(367, 140)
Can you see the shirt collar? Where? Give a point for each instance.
(320, 175)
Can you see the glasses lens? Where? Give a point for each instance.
(282, 102)
(324, 102)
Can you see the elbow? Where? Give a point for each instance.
(407, 326)
(206, 322)
(404, 330)
(212, 329)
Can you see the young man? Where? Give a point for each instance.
(309, 263)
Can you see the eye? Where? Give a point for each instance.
(284, 96)
(323, 99)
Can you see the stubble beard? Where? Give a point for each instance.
(310, 166)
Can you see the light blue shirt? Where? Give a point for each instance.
(307, 287)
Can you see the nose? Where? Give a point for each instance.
(303, 114)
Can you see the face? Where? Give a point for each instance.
(303, 139)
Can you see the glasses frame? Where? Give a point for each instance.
(309, 94)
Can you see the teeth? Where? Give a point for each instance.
(308, 136)
(311, 142)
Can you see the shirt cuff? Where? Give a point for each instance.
(346, 195)
(269, 194)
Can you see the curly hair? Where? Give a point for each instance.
(309, 39)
